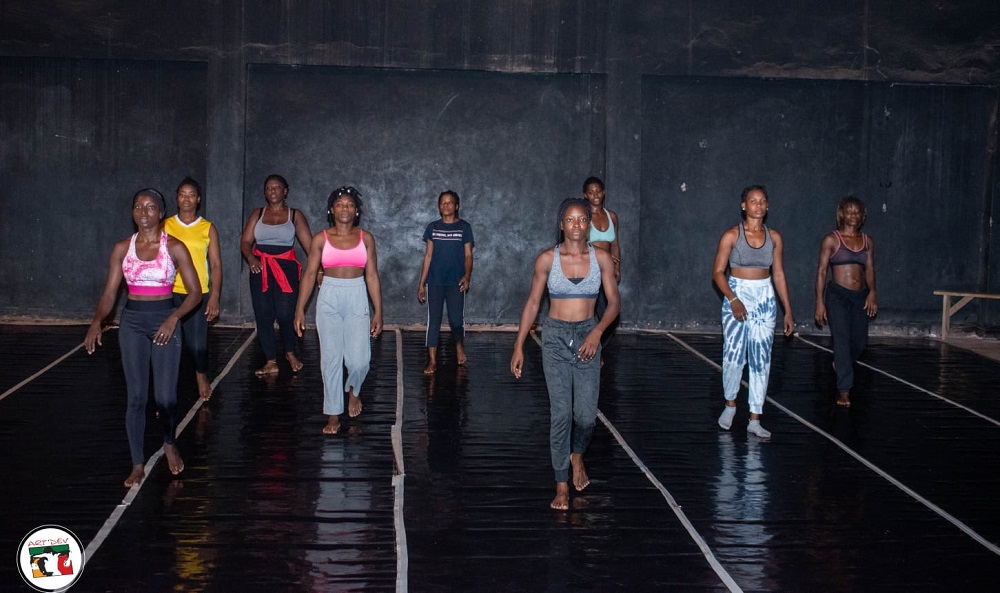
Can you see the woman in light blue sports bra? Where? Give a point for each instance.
(573, 272)
(608, 240)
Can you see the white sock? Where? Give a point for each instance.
(726, 417)
(754, 427)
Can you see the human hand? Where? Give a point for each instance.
(820, 314)
(299, 323)
(588, 350)
(739, 310)
(93, 338)
(165, 332)
(212, 308)
(871, 305)
(254, 265)
(422, 294)
(789, 324)
(376, 326)
(516, 362)
(464, 284)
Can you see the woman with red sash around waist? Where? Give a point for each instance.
(268, 246)
(149, 333)
(349, 305)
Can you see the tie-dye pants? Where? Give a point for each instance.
(749, 341)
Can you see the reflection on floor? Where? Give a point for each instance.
(268, 503)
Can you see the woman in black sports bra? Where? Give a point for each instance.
(848, 301)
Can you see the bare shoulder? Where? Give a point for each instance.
(603, 256)
(120, 248)
(545, 257)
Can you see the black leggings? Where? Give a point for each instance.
(845, 312)
(195, 332)
(437, 298)
(139, 323)
(275, 305)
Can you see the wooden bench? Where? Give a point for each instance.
(948, 309)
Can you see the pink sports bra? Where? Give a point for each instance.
(355, 257)
(149, 278)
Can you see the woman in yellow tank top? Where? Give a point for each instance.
(202, 242)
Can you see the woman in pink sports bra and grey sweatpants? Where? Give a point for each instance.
(349, 261)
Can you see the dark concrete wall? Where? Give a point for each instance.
(511, 145)
(647, 94)
(77, 139)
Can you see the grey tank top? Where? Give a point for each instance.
(745, 256)
(279, 235)
(560, 287)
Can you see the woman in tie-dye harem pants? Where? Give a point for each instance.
(753, 255)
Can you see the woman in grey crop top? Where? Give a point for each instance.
(753, 255)
(268, 246)
(571, 340)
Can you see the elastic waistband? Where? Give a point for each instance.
(162, 305)
(559, 323)
(331, 281)
(141, 290)
(844, 289)
(748, 282)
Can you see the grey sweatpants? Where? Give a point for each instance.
(342, 322)
(573, 386)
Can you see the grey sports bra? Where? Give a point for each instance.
(561, 287)
(744, 255)
(280, 235)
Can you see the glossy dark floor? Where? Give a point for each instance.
(897, 493)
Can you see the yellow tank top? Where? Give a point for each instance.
(195, 237)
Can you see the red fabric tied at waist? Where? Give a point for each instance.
(270, 262)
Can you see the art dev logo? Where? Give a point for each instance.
(50, 558)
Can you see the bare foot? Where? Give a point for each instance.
(135, 478)
(561, 501)
(204, 386)
(174, 461)
(844, 400)
(269, 368)
(353, 405)
(430, 369)
(580, 479)
(460, 356)
(294, 361)
(332, 425)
